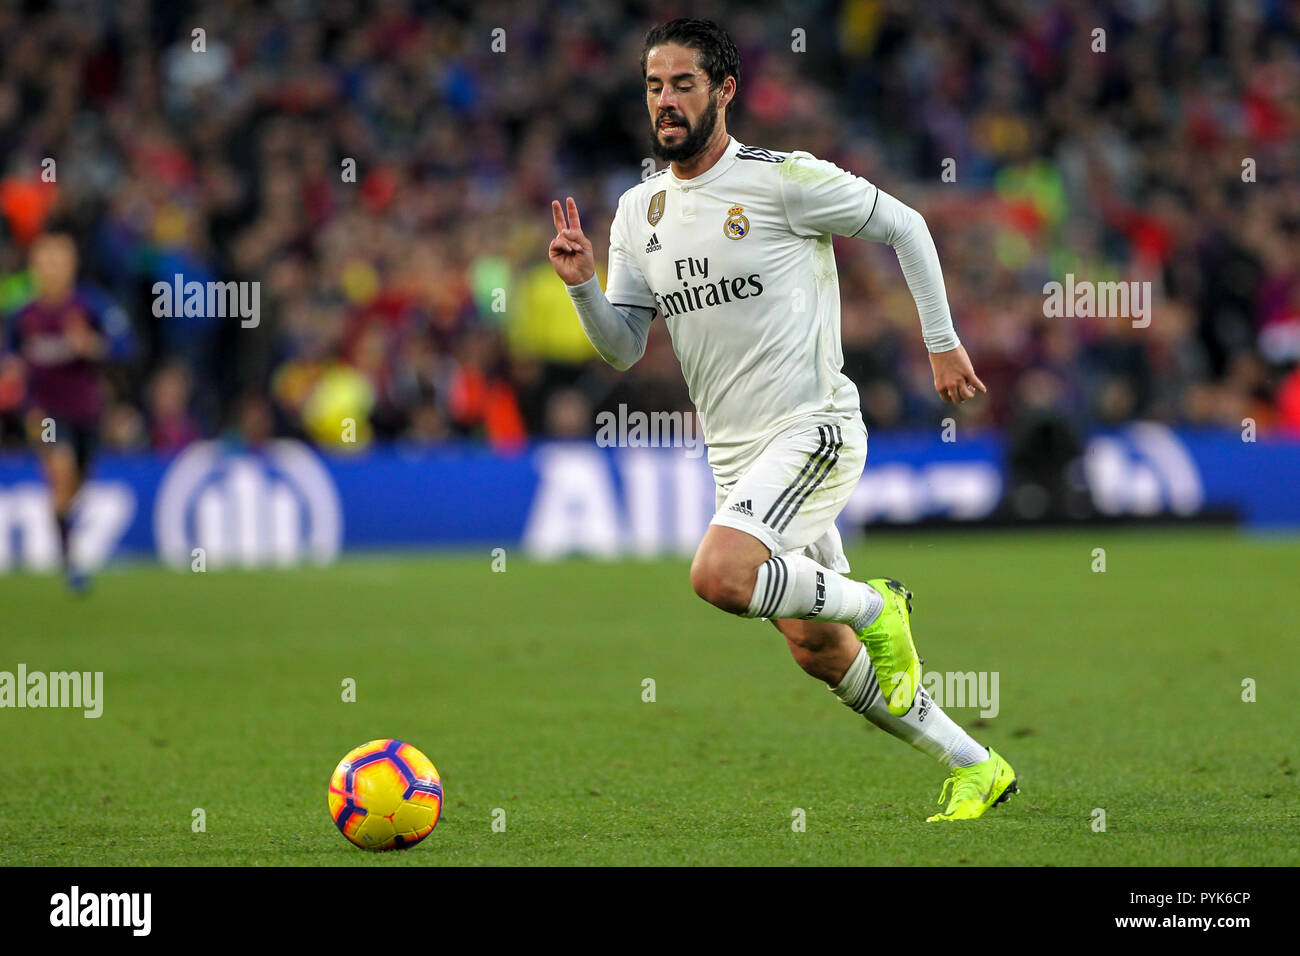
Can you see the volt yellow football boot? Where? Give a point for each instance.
(890, 647)
(975, 789)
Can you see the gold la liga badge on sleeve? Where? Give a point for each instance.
(655, 211)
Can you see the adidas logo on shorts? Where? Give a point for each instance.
(745, 507)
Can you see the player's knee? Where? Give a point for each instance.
(726, 587)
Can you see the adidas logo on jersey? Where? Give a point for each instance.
(745, 507)
(653, 244)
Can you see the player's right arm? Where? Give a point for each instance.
(617, 332)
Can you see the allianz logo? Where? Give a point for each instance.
(1143, 469)
(275, 507)
(248, 510)
(649, 501)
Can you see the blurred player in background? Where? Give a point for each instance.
(54, 350)
(732, 245)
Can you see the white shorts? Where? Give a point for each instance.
(790, 496)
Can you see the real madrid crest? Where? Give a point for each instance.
(737, 225)
(656, 210)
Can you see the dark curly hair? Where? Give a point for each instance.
(717, 54)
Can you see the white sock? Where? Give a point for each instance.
(797, 586)
(925, 726)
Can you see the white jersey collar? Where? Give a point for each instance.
(724, 163)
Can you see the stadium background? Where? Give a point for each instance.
(1128, 658)
(417, 301)
(227, 165)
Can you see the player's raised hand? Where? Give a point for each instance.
(954, 377)
(570, 249)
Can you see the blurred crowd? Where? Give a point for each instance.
(384, 169)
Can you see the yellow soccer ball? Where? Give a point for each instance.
(385, 795)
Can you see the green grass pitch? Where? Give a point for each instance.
(1119, 690)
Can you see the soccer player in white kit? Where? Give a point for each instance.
(731, 244)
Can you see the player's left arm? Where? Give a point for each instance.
(904, 228)
(821, 198)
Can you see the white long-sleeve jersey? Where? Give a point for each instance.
(739, 262)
